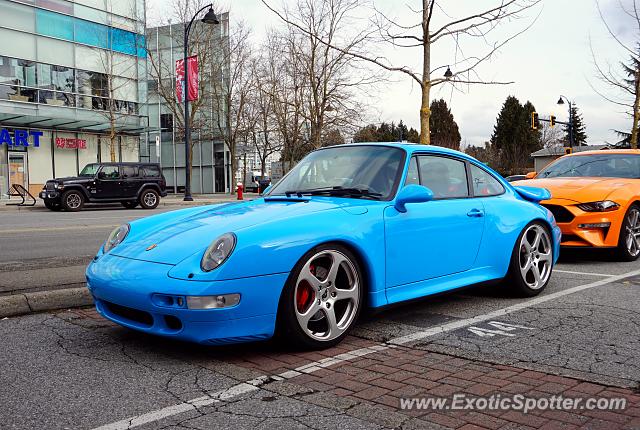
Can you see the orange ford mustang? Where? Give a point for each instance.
(596, 199)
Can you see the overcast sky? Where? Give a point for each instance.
(553, 57)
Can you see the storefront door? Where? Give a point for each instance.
(18, 169)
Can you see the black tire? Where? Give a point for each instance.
(72, 201)
(347, 310)
(629, 251)
(130, 205)
(519, 283)
(52, 205)
(149, 199)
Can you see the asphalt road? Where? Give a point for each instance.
(40, 249)
(71, 369)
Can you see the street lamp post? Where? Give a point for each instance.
(561, 102)
(209, 18)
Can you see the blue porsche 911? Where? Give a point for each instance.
(349, 227)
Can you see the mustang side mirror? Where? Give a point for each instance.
(530, 175)
(102, 175)
(412, 194)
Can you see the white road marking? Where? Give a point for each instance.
(582, 273)
(54, 229)
(254, 384)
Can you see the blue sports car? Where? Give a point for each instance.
(351, 226)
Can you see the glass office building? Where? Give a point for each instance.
(73, 87)
(211, 161)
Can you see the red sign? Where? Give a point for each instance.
(192, 78)
(70, 143)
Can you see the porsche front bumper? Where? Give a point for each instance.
(140, 295)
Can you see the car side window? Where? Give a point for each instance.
(129, 172)
(150, 171)
(412, 172)
(446, 177)
(484, 184)
(110, 172)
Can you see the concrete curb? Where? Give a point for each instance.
(21, 304)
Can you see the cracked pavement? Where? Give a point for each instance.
(74, 370)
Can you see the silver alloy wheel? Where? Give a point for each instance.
(327, 295)
(632, 239)
(535, 256)
(149, 199)
(73, 201)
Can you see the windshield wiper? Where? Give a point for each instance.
(335, 191)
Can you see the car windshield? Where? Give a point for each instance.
(597, 165)
(367, 171)
(90, 170)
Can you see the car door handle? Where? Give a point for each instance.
(475, 213)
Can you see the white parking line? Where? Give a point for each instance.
(582, 273)
(254, 384)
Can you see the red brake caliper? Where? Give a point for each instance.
(304, 294)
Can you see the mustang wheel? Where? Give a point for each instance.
(149, 199)
(322, 298)
(629, 241)
(531, 261)
(72, 200)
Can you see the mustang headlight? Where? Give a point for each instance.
(601, 206)
(217, 253)
(116, 237)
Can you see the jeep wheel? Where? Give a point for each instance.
(72, 201)
(130, 205)
(52, 205)
(149, 199)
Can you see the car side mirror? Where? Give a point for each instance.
(102, 175)
(530, 175)
(412, 194)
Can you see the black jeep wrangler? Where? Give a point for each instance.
(131, 184)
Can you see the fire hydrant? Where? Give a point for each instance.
(240, 189)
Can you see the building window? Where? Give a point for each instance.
(166, 122)
(54, 24)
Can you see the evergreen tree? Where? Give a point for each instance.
(513, 141)
(579, 129)
(386, 133)
(444, 129)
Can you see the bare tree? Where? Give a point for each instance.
(120, 72)
(231, 83)
(423, 34)
(624, 78)
(204, 42)
(551, 136)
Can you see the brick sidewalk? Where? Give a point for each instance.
(370, 387)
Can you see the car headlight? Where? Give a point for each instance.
(217, 253)
(116, 237)
(601, 206)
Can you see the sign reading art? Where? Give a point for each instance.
(20, 137)
(70, 143)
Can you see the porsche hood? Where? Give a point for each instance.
(579, 190)
(171, 237)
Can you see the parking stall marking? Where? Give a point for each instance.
(571, 272)
(254, 384)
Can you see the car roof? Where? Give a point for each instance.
(606, 151)
(126, 163)
(411, 148)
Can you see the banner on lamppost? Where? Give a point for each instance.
(192, 79)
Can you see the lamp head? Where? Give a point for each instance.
(210, 17)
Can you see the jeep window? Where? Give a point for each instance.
(129, 171)
(151, 171)
(90, 170)
(110, 172)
